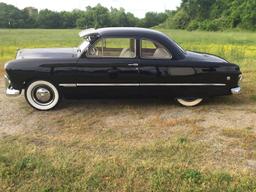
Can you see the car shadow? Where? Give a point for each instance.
(67, 103)
(148, 102)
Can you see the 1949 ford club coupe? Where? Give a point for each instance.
(115, 62)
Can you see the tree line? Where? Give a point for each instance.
(98, 16)
(211, 15)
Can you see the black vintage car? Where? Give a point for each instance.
(115, 62)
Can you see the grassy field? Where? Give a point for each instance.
(131, 145)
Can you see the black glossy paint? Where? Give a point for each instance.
(61, 66)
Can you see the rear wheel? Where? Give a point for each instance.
(42, 95)
(189, 102)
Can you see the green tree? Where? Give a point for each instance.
(85, 19)
(96, 17)
(49, 19)
(209, 15)
(248, 14)
(100, 15)
(133, 21)
(118, 17)
(214, 15)
(68, 19)
(12, 17)
(152, 19)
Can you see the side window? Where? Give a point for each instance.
(113, 47)
(154, 50)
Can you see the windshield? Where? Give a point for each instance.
(83, 46)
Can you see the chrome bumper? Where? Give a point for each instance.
(236, 90)
(9, 91)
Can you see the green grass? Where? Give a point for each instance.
(132, 150)
(168, 166)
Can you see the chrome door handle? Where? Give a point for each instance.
(133, 64)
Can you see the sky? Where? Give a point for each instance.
(137, 7)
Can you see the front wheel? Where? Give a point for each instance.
(42, 95)
(189, 102)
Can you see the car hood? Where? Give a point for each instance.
(196, 56)
(47, 53)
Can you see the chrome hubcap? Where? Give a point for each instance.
(43, 95)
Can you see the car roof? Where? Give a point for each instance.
(127, 31)
(121, 31)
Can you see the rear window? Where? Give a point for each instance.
(154, 50)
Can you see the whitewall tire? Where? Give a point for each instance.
(42, 95)
(189, 102)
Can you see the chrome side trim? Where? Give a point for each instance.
(68, 85)
(133, 64)
(236, 90)
(182, 84)
(109, 85)
(138, 84)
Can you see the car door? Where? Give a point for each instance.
(155, 63)
(109, 68)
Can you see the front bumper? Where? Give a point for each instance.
(236, 90)
(9, 91)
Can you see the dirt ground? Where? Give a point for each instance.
(226, 124)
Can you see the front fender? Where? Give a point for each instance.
(20, 72)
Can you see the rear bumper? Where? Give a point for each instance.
(236, 90)
(9, 91)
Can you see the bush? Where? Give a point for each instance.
(180, 20)
(193, 25)
(208, 25)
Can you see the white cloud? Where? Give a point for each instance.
(138, 7)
